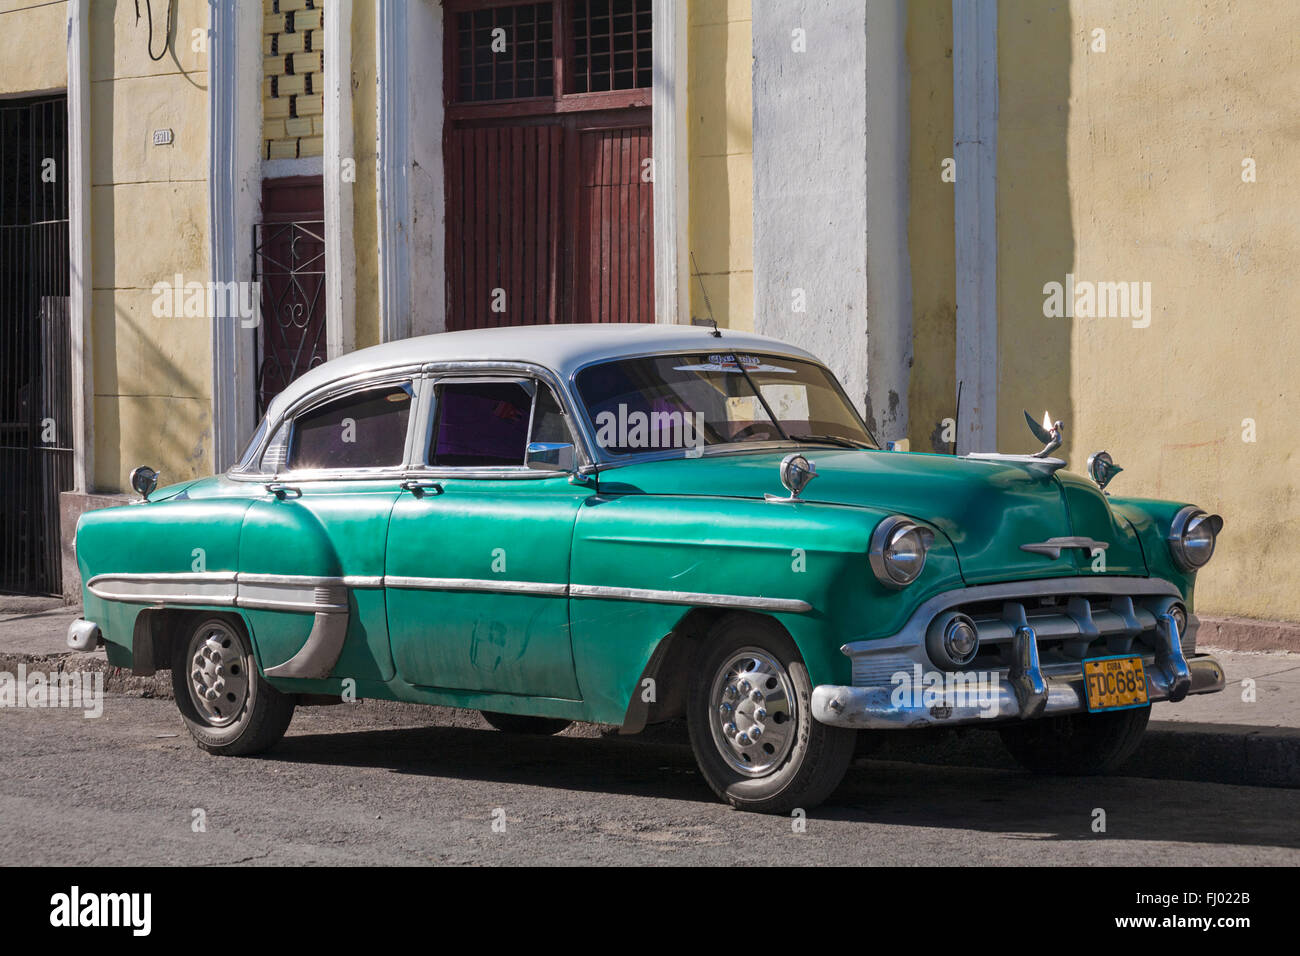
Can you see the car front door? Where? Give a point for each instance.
(478, 544)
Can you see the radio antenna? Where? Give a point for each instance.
(956, 420)
(705, 292)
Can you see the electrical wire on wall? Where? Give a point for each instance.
(167, 36)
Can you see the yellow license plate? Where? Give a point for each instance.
(1114, 683)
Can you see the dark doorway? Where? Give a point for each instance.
(289, 262)
(547, 150)
(36, 460)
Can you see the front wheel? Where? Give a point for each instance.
(751, 725)
(1076, 744)
(228, 707)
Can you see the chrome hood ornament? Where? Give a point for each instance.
(1049, 433)
(1102, 468)
(795, 471)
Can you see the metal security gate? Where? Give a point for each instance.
(35, 362)
(289, 262)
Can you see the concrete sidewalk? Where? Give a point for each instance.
(1248, 734)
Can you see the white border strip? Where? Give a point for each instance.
(668, 104)
(340, 257)
(80, 299)
(975, 125)
(393, 188)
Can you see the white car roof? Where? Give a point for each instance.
(561, 348)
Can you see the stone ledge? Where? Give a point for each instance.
(1248, 634)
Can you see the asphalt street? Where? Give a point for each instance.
(379, 784)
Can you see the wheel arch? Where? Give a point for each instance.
(670, 662)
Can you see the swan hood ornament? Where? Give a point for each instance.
(1049, 433)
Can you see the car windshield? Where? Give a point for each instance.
(692, 401)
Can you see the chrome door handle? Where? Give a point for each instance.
(282, 491)
(418, 486)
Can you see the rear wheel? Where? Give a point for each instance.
(751, 725)
(521, 724)
(1077, 744)
(228, 707)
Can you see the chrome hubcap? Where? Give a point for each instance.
(218, 675)
(754, 712)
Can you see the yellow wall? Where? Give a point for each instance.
(364, 131)
(149, 208)
(1126, 165)
(33, 45)
(721, 160)
(933, 387)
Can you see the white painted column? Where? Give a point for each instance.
(339, 175)
(975, 122)
(393, 186)
(428, 187)
(79, 247)
(810, 176)
(889, 264)
(668, 106)
(234, 187)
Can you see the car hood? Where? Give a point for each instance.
(986, 508)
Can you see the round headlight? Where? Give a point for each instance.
(897, 551)
(1192, 536)
(952, 640)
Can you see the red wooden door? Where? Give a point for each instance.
(547, 149)
(613, 266)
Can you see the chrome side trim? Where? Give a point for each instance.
(287, 592)
(213, 587)
(651, 596)
(475, 584)
(316, 658)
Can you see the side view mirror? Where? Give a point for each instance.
(551, 456)
(144, 480)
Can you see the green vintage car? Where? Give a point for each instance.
(629, 524)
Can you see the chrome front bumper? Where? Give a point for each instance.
(1024, 690)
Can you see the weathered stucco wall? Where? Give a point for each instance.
(149, 208)
(364, 132)
(1127, 166)
(33, 47)
(721, 152)
(933, 385)
(810, 224)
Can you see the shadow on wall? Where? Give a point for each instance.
(1034, 219)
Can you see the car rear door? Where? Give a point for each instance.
(316, 540)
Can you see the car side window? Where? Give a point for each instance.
(480, 424)
(365, 429)
(487, 424)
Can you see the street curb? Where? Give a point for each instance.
(1248, 634)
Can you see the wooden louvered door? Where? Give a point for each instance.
(613, 232)
(504, 225)
(547, 148)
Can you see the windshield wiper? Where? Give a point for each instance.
(831, 440)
